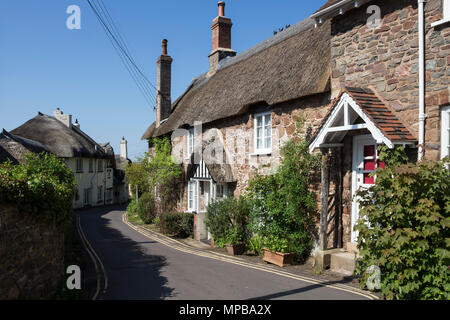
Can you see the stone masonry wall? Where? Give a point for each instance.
(238, 134)
(31, 256)
(386, 59)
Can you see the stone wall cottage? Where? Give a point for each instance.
(357, 86)
(246, 103)
(388, 87)
(93, 164)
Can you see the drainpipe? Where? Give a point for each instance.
(422, 115)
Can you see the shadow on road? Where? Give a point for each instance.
(296, 291)
(133, 272)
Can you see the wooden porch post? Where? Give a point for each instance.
(325, 180)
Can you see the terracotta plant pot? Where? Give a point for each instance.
(236, 249)
(277, 258)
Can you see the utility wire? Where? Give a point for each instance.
(121, 49)
(123, 55)
(146, 83)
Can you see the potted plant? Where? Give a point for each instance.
(235, 245)
(277, 251)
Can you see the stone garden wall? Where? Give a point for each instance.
(31, 256)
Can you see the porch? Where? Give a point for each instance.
(349, 139)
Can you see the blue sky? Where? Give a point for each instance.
(43, 65)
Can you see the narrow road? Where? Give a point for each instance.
(130, 265)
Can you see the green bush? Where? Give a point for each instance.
(157, 222)
(132, 207)
(227, 220)
(404, 229)
(146, 208)
(178, 224)
(283, 204)
(43, 185)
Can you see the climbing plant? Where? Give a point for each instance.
(284, 205)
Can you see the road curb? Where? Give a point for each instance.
(180, 246)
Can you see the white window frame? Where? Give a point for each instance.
(445, 14)
(191, 142)
(445, 132)
(192, 195)
(263, 150)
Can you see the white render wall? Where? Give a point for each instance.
(92, 180)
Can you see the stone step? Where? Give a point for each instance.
(343, 262)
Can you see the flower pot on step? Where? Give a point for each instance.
(236, 249)
(278, 258)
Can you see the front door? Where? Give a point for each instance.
(365, 161)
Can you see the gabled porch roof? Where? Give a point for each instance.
(359, 109)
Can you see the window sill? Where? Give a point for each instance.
(261, 153)
(440, 22)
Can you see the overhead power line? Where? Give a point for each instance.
(144, 85)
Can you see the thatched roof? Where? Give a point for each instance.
(61, 140)
(15, 148)
(293, 64)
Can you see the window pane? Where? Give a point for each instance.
(381, 165)
(268, 143)
(259, 122)
(259, 143)
(268, 120)
(368, 180)
(268, 132)
(369, 165)
(369, 151)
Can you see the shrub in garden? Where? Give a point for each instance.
(132, 207)
(227, 221)
(178, 224)
(404, 229)
(284, 206)
(146, 208)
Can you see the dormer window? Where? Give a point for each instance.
(263, 133)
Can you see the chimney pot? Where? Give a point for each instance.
(221, 39)
(221, 5)
(164, 47)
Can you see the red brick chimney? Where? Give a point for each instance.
(221, 39)
(163, 99)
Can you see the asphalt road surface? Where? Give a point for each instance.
(129, 265)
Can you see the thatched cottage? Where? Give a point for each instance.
(93, 164)
(362, 74)
(14, 148)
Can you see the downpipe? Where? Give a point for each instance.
(422, 78)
